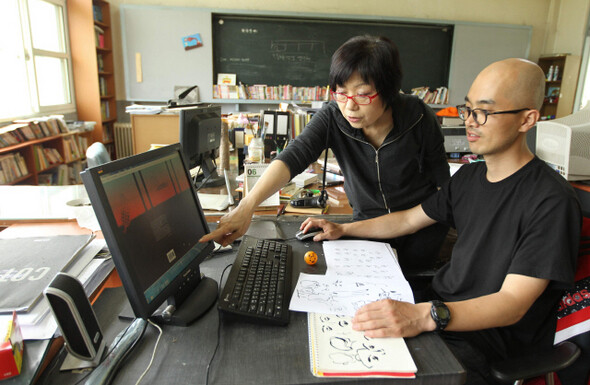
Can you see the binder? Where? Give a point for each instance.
(276, 133)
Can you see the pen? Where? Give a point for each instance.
(281, 210)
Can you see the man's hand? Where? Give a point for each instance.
(330, 230)
(230, 227)
(389, 318)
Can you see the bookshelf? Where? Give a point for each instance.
(56, 159)
(560, 88)
(94, 72)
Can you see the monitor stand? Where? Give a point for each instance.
(209, 175)
(194, 306)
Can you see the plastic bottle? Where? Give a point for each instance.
(256, 150)
(550, 74)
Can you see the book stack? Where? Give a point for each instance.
(337, 195)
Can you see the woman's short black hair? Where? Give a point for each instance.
(375, 58)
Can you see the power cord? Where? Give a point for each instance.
(218, 326)
(153, 352)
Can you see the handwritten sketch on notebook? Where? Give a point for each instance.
(358, 272)
(338, 295)
(338, 351)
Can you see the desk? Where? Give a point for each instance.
(248, 353)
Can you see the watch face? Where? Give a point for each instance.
(442, 312)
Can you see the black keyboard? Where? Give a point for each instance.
(258, 287)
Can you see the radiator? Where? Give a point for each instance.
(123, 140)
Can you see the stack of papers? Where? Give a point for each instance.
(84, 261)
(304, 179)
(217, 202)
(144, 109)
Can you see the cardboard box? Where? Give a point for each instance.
(11, 348)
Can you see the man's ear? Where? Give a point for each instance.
(529, 120)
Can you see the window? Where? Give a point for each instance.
(583, 92)
(35, 61)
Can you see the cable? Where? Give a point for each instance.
(218, 327)
(106, 354)
(153, 352)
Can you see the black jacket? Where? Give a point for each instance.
(400, 174)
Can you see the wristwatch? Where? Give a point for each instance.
(440, 314)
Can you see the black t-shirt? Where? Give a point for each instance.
(527, 224)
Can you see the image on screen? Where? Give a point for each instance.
(149, 203)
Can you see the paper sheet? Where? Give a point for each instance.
(359, 272)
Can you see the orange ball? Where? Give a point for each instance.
(310, 258)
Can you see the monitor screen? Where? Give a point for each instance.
(200, 137)
(151, 219)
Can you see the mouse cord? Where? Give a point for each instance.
(153, 352)
(218, 327)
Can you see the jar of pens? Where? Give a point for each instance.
(256, 145)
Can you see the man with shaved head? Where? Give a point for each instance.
(518, 225)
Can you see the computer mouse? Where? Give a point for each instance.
(310, 234)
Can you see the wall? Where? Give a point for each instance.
(545, 16)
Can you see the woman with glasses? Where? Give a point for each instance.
(389, 147)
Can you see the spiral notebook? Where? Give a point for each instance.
(338, 351)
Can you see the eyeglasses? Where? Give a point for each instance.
(480, 115)
(358, 99)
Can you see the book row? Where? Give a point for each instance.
(99, 37)
(102, 84)
(23, 130)
(264, 92)
(12, 167)
(105, 111)
(46, 157)
(64, 174)
(437, 96)
(75, 148)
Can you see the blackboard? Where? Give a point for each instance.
(297, 51)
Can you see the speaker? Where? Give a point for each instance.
(76, 319)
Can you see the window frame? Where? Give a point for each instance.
(30, 53)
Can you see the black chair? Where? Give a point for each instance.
(543, 362)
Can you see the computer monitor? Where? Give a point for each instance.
(200, 137)
(564, 144)
(152, 220)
